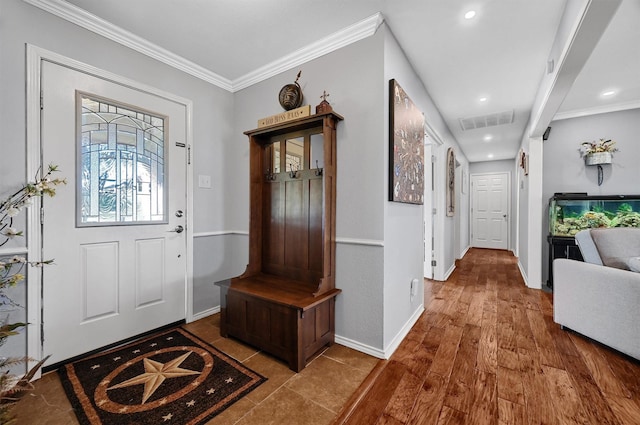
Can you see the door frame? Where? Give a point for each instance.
(509, 209)
(436, 218)
(35, 57)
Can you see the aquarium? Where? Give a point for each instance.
(570, 213)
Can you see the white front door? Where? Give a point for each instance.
(115, 229)
(490, 210)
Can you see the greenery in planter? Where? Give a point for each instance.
(602, 145)
(11, 386)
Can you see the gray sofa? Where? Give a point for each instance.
(600, 298)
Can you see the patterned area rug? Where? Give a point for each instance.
(168, 378)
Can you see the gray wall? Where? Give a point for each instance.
(403, 239)
(508, 166)
(353, 78)
(404, 246)
(565, 171)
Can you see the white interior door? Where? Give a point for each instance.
(428, 212)
(114, 229)
(490, 210)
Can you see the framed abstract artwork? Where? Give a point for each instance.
(406, 148)
(451, 182)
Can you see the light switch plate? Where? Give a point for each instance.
(204, 181)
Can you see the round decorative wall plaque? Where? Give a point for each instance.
(290, 96)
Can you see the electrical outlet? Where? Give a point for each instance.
(414, 288)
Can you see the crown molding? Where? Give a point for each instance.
(69, 12)
(356, 32)
(112, 32)
(577, 113)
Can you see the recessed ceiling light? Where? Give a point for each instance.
(470, 14)
(490, 156)
(487, 138)
(483, 99)
(608, 93)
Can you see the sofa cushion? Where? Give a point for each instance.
(617, 245)
(587, 247)
(634, 264)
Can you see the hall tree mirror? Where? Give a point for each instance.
(302, 152)
(294, 160)
(317, 152)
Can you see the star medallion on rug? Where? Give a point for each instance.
(169, 378)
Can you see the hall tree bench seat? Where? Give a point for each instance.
(278, 317)
(284, 303)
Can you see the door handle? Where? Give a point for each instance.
(178, 229)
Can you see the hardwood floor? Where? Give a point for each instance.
(486, 351)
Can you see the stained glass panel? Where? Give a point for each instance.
(122, 165)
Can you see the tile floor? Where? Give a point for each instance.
(312, 397)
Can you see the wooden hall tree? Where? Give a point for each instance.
(284, 303)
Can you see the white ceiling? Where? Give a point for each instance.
(501, 54)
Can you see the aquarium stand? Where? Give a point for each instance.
(561, 247)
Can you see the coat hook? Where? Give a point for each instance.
(293, 173)
(318, 169)
(269, 175)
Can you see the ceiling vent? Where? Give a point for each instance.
(491, 120)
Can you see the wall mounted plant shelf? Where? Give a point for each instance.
(598, 153)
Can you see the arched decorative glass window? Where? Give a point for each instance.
(121, 164)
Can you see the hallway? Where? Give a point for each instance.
(486, 351)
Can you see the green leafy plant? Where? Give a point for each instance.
(11, 386)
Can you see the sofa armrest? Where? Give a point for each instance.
(600, 302)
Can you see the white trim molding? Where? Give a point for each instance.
(522, 273)
(604, 109)
(358, 346)
(8, 252)
(220, 233)
(449, 272)
(364, 242)
(76, 15)
(356, 32)
(343, 241)
(205, 313)
(88, 21)
(400, 336)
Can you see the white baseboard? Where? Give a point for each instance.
(523, 274)
(206, 313)
(358, 346)
(391, 348)
(465, 252)
(448, 273)
(395, 343)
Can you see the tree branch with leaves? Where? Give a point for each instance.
(11, 274)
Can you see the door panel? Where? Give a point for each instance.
(110, 282)
(490, 211)
(99, 280)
